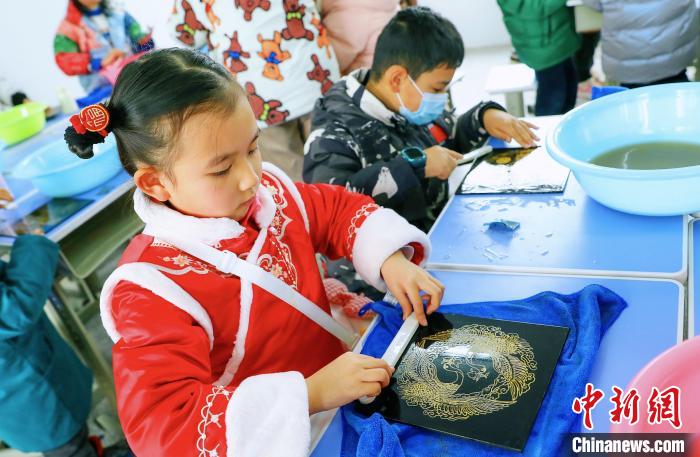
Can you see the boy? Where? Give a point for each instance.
(544, 36)
(386, 132)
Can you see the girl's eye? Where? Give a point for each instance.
(253, 151)
(222, 172)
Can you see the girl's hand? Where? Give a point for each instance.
(405, 280)
(504, 126)
(347, 378)
(111, 57)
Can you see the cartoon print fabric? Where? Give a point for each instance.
(277, 49)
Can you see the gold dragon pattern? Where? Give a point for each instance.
(459, 352)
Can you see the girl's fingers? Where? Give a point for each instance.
(414, 295)
(370, 389)
(369, 363)
(376, 375)
(435, 281)
(435, 297)
(405, 304)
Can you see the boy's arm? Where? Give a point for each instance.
(469, 131)
(334, 157)
(26, 282)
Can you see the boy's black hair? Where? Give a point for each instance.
(153, 98)
(418, 39)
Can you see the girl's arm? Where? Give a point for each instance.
(71, 60)
(140, 40)
(351, 225)
(168, 403)
(386, 251)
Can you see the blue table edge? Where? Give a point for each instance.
(75, 221)
(691, 281)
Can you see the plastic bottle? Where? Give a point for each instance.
(68, 104)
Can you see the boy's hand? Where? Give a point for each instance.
(504, 126)
(347, 378)
(439, 162)
(406, 280)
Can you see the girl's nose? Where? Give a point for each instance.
(248, 178)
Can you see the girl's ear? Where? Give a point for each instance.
(150, 182)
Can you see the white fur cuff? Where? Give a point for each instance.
(383, 233)
(269, 415)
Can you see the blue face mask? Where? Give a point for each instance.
(431, 106)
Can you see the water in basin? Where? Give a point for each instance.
(650, 156)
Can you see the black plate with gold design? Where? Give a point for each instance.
(482, 379)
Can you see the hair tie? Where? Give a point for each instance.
(93, 118)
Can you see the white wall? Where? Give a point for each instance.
(27, 29)
(480, 22)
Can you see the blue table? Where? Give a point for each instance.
(652, 323)
(694, 278)
(28, 198)
(565, 233)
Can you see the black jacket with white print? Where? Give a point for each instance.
(355, 142)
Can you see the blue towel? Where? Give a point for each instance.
(588, 314)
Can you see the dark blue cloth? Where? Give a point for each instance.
(588, 314)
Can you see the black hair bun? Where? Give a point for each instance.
(81, 145)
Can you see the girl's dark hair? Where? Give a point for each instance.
(152, 99)
(104, 4)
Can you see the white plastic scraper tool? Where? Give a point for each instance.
(398, 345)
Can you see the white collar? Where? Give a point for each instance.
(369, 103)
(160, 219)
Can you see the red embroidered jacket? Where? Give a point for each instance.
(206, 364)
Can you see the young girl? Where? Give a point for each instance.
(93, 38)
(207, 362)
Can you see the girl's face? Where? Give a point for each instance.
(90, 4)
(217, 168)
